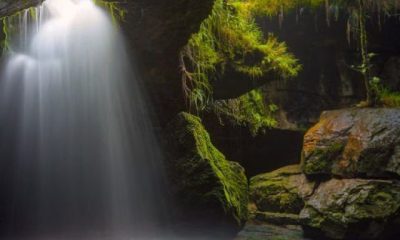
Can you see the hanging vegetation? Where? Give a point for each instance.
(249, 110)
(229, 36)
(116, 12)
(358, 12)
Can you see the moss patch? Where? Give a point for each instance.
(321, 160)
(280, 191)
(348, 208)
(203, 175)
(228, 38)
(249, 110)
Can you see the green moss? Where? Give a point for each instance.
(322, 159)
(117, 13)
(226, 37)
(381, 201)
(353, 208)
(11, 27)
(249, 110)
(224, 180)
(278, 191)
(274, 7)
(6, 42)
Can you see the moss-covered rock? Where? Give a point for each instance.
(202, 177)
(281, 191)
(352, 208)
(354, 143)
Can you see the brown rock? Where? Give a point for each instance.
(354, 142)
(283, 190)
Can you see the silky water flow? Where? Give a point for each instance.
(79, 159)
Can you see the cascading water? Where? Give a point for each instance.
(79, 158)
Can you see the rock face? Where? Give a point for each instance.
(352, 208)
(202, 178)
(347, 186)
(354, 142)
(327, 81)
(157, 31)
(9, 7)
(283, 190)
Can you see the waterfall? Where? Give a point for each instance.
(79, 158)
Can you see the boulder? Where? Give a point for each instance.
(283, 190)
(204, 182)
(354, 143)
(352, 209)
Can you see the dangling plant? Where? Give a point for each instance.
(229, 37)
(249, 110)
(359, 12)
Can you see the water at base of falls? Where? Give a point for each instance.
(79, 159)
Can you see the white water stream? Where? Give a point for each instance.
(79, 156)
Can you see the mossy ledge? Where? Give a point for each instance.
(202, 173)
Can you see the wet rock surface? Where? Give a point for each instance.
(347, 186)
(354, 143)
(283, 190)
(352, 208)
(9, 7)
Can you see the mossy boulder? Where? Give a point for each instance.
(283, 190)
(203, 179)
(352, 209)
(354, 143)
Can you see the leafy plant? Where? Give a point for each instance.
(249, 110)
(229, 37)
(358, 12)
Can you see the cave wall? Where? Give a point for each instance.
(327, 80)
(9, 7)
(156, 31)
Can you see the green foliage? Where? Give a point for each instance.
(273, 7)
(385, 97)
(230, 37)
(389, 99)
(215, 177)
(249, 110)
(116, 12)
(11, 27)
